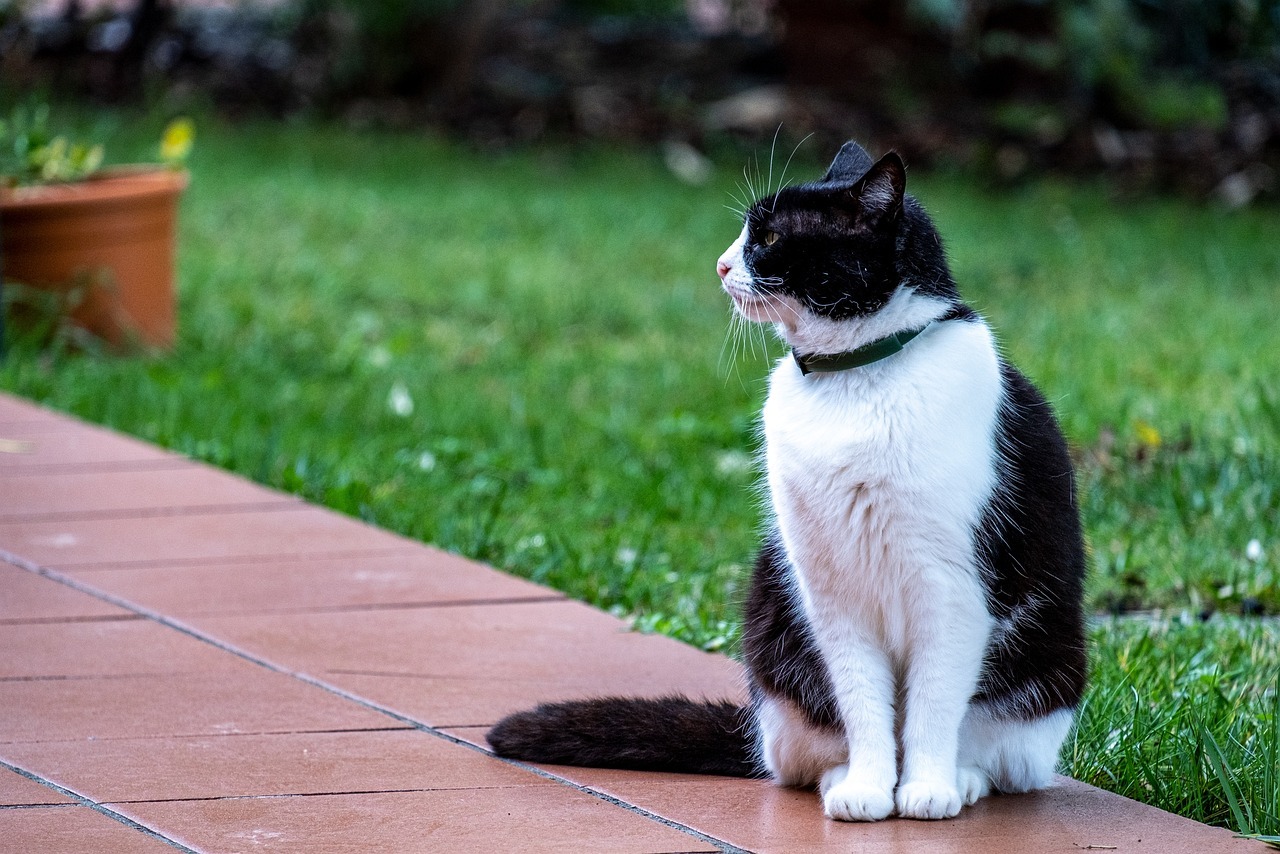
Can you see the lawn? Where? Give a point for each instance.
(524, 357)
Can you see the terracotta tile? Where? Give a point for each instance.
(525, 819)
(243, 765)
(132, 647)
(37, 449)
(16, 789)
(470, 665)
(197, 538)
(758, 816)
(24, 595)
(16, 410)
(73, 830)
(122, 493)
(415, 576)
(1073, 809)
(251, 700)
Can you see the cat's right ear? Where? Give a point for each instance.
(880, 192)
(851, 163)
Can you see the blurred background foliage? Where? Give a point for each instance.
(1181, 94)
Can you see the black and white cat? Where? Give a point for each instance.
(914, 633)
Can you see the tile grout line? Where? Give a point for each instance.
(213, 560)
(291, 502)
(4, 807)
(52, 423)
(550, 596)
(275, 796)
(197, 735)
(105, 467)
(101, 809)
(81, 618)
(53, 575)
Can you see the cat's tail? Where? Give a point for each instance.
(666, 734)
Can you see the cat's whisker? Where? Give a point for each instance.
(781, 302)
(783, 179)
(773, 146)
(744, 200)
(730, 345)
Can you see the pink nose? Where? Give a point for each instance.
(722, 269)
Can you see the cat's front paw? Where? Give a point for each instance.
(852, 800)
(929, 799)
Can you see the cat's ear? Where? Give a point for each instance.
(851, 163)
(879, 194)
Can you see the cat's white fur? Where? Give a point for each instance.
(879, 477)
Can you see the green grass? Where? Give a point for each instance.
(1185, 716)
(581, 417)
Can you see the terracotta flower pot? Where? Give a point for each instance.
(105, 244)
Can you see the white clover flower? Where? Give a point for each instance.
(379, 357)
(399, 401)
(733, 462)
(531, 542)
(1253, 551)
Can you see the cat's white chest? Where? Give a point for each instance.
(879, 476)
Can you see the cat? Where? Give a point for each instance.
(913, 634)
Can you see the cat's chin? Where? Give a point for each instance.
(773, 308)
(757, 311)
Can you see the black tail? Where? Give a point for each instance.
(667, 734)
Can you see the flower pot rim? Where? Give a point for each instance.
(117, 183)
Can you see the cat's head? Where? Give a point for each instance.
(841, 258)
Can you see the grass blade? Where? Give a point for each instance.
(1244, 823)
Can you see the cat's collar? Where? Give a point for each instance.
(883, 348)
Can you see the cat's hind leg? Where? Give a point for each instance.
(795, 752)
(1008, 754)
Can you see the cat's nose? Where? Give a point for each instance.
(723, 268)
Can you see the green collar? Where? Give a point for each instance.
(864, 355)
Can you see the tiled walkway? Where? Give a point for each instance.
(191, 661)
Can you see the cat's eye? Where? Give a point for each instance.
(770, 238)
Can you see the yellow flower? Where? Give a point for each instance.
(1147, 435)
(176, 143)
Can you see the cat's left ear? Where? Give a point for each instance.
(880, 192)
(851, 163)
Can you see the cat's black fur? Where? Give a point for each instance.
(853, 238)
